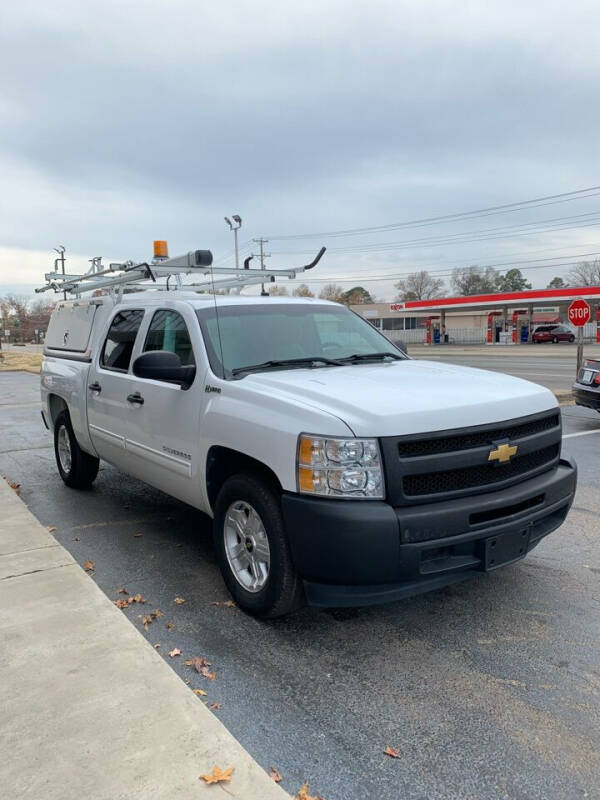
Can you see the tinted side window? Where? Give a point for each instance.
(168, 331)
(116, 353)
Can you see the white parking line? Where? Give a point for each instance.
(581, 433)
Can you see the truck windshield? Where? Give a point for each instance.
(264, 335)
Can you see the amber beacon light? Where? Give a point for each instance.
(161, 249)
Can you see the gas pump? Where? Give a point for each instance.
(518, 326)
(491, 326)
(432, 335)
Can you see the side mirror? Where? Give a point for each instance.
(162, 365)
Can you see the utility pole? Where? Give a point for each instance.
(262, 255)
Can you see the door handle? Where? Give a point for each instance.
(136, 398)
(95, 387)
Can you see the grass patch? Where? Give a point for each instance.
(28, 362)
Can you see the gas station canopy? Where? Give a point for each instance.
(519, 303)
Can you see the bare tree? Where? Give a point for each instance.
(278, 291)
(420, 286)
(474, 280)
(333, 292)
(302, 291)
(586, 273)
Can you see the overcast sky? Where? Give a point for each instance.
(122, 122)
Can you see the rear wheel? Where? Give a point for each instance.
(571, 338)
(77, 468)
(252, 548)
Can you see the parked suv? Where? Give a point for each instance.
(337, 470)
(553, 333)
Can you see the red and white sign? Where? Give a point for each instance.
(579, 313)
(396, 306)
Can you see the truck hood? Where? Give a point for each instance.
(407, 396)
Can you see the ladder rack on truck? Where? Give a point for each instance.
(119, 275)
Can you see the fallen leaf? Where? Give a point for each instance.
(197, 662)
(275, 775)
(175, 652)
(51, 528)
(169, 626)
(120, 603)
(208, 674)
(215, 706)
(303, 794)
(16, 487)
(88, 566)
(149, 618)
(137, 535)
(200, 692)
(137, 598)
(157, 645)
(224, 603)
(390, 751)
(218, 775)
(179, 600)
(122, 591)
(76, 539)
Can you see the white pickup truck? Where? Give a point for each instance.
(338, 471)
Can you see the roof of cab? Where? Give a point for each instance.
(201, 300)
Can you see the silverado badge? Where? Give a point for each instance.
(503, 453)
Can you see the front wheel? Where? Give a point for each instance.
(252, 548)
(77, 468)
(571, 339)
(555, 340)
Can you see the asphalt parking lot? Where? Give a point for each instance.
(487, 689)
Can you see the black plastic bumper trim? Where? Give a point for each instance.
(587, 397)
(352, 553)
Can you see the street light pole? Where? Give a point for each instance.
(235, 228)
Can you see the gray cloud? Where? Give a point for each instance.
(123, 122)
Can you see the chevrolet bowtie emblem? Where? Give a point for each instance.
(503, 453)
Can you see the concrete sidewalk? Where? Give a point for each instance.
(88, 708)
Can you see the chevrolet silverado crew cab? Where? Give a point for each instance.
(337, 471)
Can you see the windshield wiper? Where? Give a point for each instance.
(355, 358)
(287, 362)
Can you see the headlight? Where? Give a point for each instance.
(339, 467)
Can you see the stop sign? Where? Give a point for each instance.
(579, 313)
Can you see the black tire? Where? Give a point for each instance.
(282, 592)
(571, 339)
(80, 469)
(555, 340)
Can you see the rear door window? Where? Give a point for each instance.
(168, 331)
(118, 346)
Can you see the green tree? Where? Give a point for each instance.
(512, 281)
(556, 283)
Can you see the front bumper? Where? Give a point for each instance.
(354, 553)
(586, 396)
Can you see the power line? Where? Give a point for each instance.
(464, 237)
(564, 197)
(447, 271)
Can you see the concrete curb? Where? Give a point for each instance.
(89, 708)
